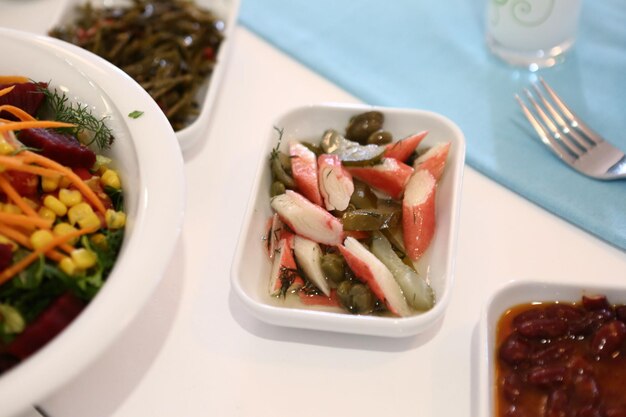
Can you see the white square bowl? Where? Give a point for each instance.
(510, 295)
(190, 137)
(251, 266)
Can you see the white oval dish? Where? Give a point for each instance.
(512, 294)
(147, 155)
(227, 10)
(251, 266)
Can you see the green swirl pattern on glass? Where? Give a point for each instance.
(525, 12)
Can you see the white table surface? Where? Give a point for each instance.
(195, 351)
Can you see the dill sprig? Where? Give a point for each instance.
(87, 125)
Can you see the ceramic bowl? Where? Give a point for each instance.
(251, 266)
(516, 293)
(147, 155)
(227, 11)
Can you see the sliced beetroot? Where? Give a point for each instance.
(6, 255)
(50, 323)
(60, 147)
(26, 96)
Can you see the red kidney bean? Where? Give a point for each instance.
(554, 352)
(543, 328)
(564, 311)
(545, 376)
(620, 313)
(595, 302)
(531, 314)
(585, 391)
(512, 387)
(557, 404)
(608, 339)
(514, 349)
(615, 411)
(589, 411)
(579, 365)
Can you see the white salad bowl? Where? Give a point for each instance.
(251, 266)
(512, 294)
(148, 158)
(227, 10)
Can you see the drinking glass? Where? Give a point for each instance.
(532, 33)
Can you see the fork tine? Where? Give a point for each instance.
(565, 140)
(574, 120)
(577, 138)
(543, 133)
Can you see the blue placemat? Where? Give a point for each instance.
(432, 55)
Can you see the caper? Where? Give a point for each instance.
(279, 172)
(380, 137)
(343, 293)
(363, 125)
(357, 298)
(333, 267)
(277, 188)
(363, 197)
(363, 299)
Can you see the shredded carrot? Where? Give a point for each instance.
(31, 257)
(8, 189)
(32, 124)
(6, 90)
(26, 221)
(23, 240)
(28, 156)
(13, 79)
(15, 163)
(17, 112)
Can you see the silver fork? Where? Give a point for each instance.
(569, 137)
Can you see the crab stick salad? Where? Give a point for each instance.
(61, 215)
(352, 215)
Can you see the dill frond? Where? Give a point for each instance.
(87, 125)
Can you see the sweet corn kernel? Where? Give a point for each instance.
(83, 215)
(49, 184)
(115, 219)
(68, 266)
(64, 182)
(99, 241)
(6, 148)
(70, 197)
(40, 238)
(79, 211)
(30, 203)
(84, 258)
(110, 178)
(55, 205)
(11, 208)
(45, 213)
(62, 229)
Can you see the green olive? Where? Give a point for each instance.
(380, 137)
(363, 197)
(363, 125)
(277, 188)
(370, 219)
(333, 267)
